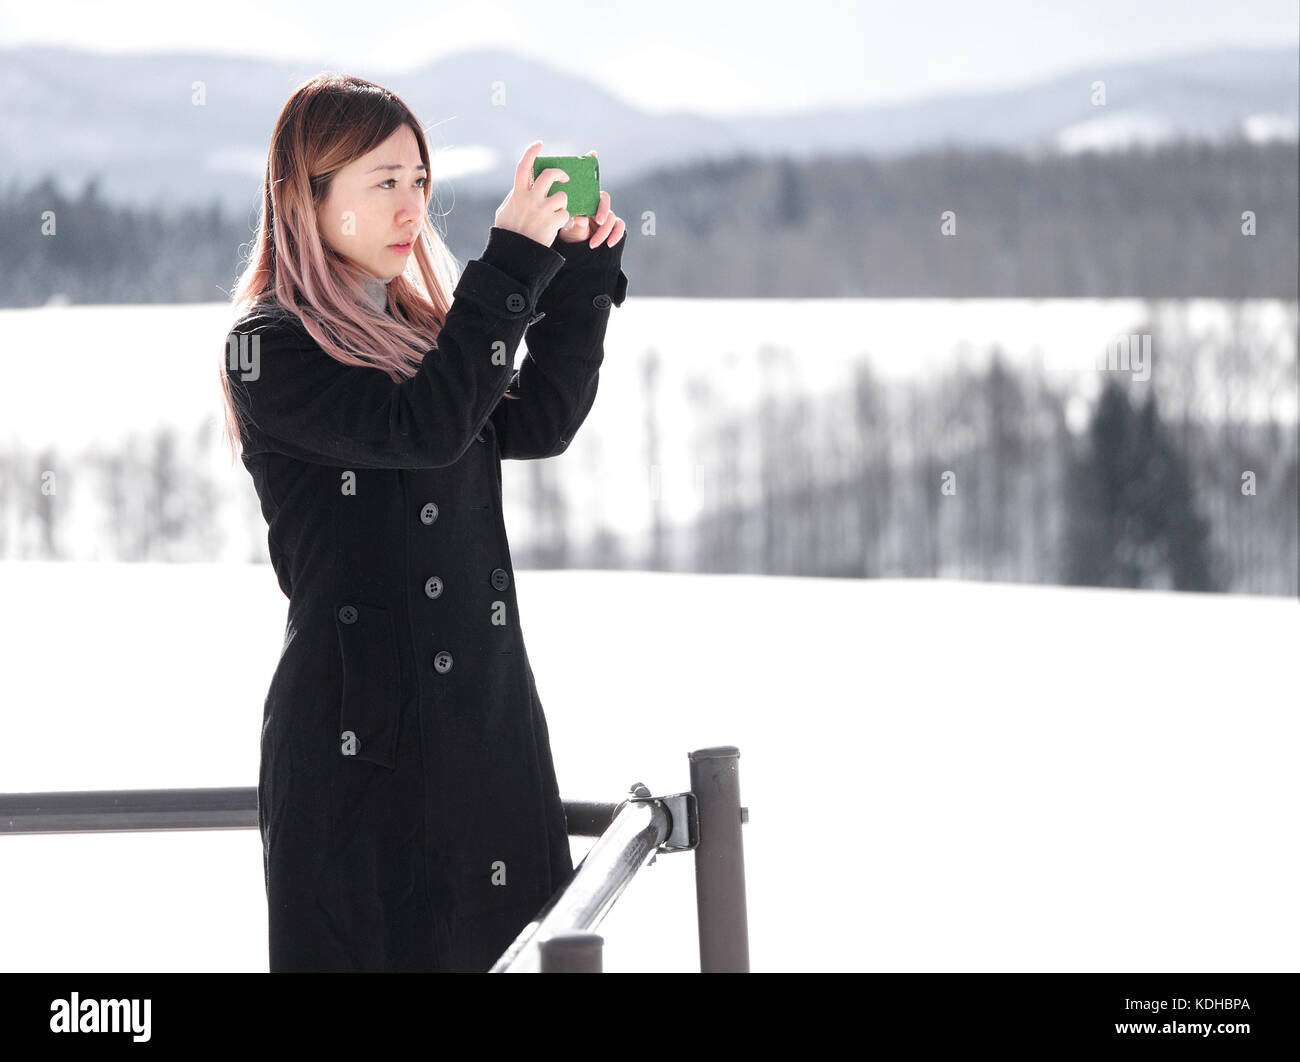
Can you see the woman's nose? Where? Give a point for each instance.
(411, 210)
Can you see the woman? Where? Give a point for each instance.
(407, 799)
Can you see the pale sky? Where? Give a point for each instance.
(717, 58)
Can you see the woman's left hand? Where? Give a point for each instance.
(607, 225)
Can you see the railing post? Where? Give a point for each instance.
(572, 953)
(720, 861)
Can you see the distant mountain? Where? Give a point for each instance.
(136, 121)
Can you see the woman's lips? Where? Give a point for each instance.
(400, 248)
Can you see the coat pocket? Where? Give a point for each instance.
(488, 792)
(368, 714)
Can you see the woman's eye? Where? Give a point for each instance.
(392, 180)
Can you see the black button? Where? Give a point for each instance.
(348, 614)
(602, 302)
(429, 513)
(442, 662)
(515, 302)
(500, 578)
(433, 586)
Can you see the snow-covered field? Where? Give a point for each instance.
(136, 367)
(940, 775)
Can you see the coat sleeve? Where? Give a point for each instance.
(295, 399)
(555, 386)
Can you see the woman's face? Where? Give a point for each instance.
(374, 202)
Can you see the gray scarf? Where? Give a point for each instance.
(378, 291)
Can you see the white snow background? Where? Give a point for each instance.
(940, 776)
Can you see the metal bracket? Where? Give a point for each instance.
(682, 811)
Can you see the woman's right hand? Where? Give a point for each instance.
(529, 209)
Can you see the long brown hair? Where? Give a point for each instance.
(329, 121)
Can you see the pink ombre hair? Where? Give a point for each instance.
(327, 122)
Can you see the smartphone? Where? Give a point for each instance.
(583, 185)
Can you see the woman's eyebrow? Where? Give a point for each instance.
(395, 166)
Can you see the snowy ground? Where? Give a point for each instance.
(940, 775)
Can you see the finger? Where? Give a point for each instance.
(605, 229)
(617, 235)
(524, 171)
(603, 209)
(547, 178)
(558, 204)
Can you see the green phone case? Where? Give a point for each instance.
(583, 185)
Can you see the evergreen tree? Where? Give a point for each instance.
(1134, 521)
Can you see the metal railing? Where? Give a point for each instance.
(706, 820)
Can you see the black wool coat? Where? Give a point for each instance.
(407, 799)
